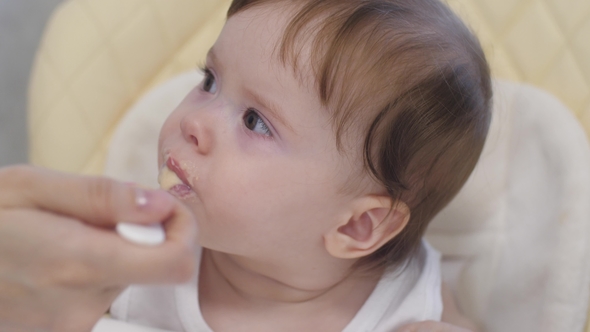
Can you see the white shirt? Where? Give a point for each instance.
(401, 296)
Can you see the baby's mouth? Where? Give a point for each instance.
(173, 179)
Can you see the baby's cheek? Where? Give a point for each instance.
(241, 196)
(170, 126)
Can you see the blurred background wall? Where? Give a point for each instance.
(21, 26)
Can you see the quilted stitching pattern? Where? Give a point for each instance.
(99, 56)
(542, 42)
(96, 58)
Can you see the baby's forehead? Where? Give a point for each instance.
(282, 38)
(250, 47)
(268, 33)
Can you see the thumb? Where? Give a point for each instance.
(96, 200)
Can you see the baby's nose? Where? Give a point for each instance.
(196, 130)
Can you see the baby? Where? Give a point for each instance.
(324, 137)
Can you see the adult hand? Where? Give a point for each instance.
(62, 264)
(430, 326)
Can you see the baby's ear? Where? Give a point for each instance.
(373, 221)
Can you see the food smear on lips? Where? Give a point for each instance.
(168, 179)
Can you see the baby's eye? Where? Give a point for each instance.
(255, 123)
(209, 84)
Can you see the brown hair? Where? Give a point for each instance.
(416, 80)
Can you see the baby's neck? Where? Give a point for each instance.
(229, 285)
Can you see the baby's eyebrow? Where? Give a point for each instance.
(273, 108)
(211, 56)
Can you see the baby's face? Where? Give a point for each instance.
(256, 149)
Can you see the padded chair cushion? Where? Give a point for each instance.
(515, 239)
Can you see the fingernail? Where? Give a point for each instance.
(141, 198)
(152, 200)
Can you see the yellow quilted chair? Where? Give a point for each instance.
(99, 57)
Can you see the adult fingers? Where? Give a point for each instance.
(42, 248)
(173, 261)
(96, 200)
